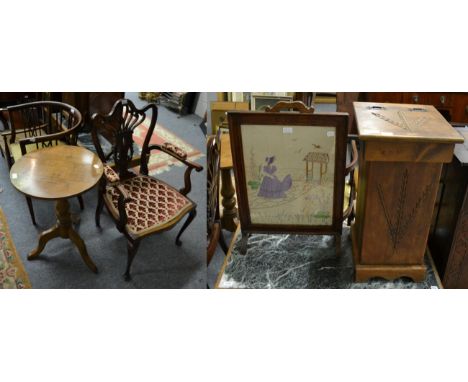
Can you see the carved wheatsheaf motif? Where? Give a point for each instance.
(398, 226)
(403, 123)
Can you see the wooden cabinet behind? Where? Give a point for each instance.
(460, 107)
(453, 106)
(449, 237)
(90, 103)
(383, 97)
(15, 98)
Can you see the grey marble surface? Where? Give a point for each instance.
(300, 261)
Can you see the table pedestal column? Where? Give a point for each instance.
(228, 192)
(63, 229)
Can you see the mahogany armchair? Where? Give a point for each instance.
(37, 125)
(139, 204)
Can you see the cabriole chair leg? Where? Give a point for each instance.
(132, 249)
(190, 218)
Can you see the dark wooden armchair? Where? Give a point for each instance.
(349, 212)
(37, 125)
(140, 205)
(214, 231)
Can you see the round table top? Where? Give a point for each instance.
(56, 173)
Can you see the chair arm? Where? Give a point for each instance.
(190, 165)
(42, 138)
(18, 131)
(177, 153)
(110, 174)
(354, 158)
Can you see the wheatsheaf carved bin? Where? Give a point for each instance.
(402, 151)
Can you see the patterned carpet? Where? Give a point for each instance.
(12, 273)
(159, 161)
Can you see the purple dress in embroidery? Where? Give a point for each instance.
(271, 186)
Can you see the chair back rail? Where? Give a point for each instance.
(41, 123)
(212, 179)
(118, 128)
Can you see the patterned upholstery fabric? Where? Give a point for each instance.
(12, 272)
(110, 174)
(154, 204)
(174, 149)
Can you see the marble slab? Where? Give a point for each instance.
(300, 261)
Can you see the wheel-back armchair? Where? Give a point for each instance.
(140, 205)
(351, 180)
(37, 125)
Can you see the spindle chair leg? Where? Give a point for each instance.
(31, 210)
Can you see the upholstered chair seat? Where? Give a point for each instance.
(153, 205)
